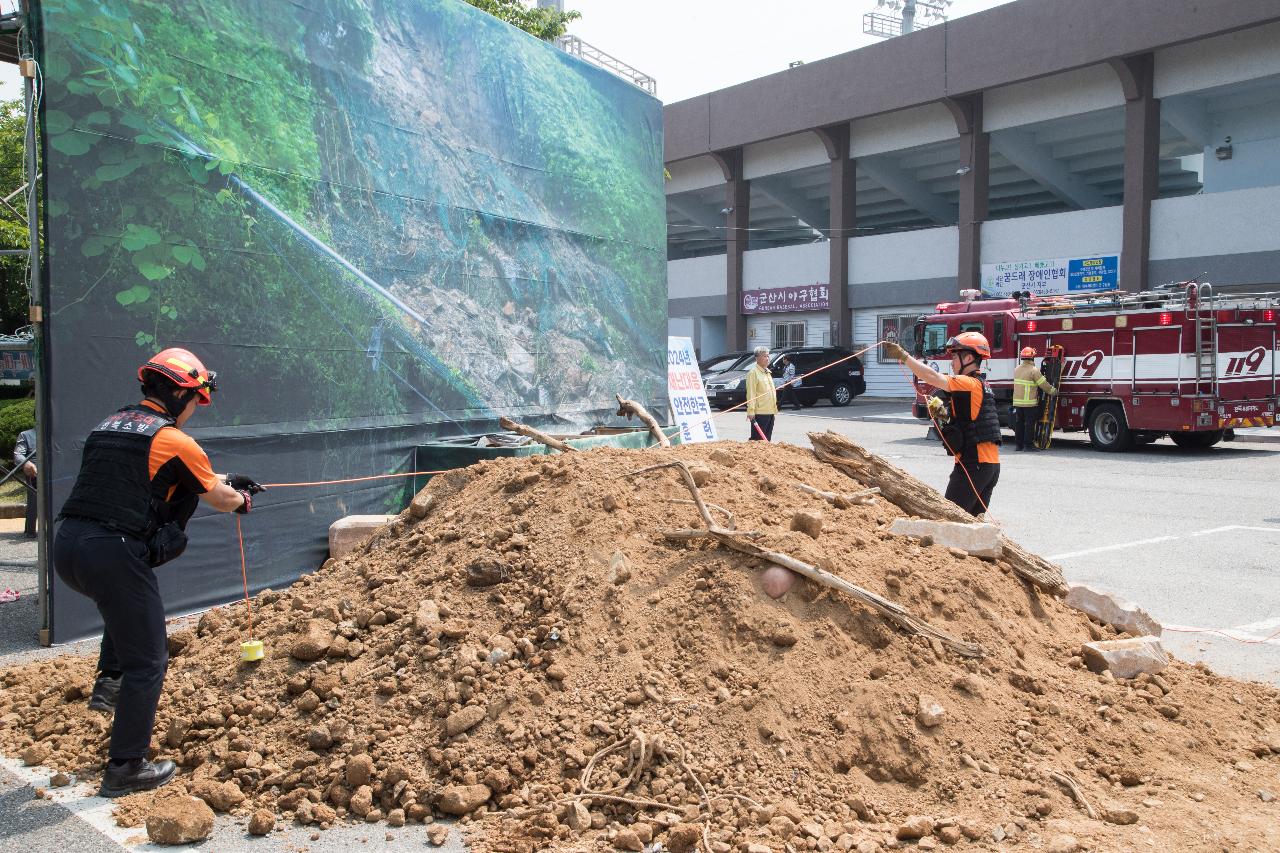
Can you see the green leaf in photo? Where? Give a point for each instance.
(57, 121)
(56, 68)
(57, 207)
(72, 144)
(153, 271)
(116, 171)
(95, 246)
(134, 295)
(183, 254)
(142, 339)
(139, 237)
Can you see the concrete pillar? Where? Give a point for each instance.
(840, 227)
(737, 239)
(1141, 166)
(975, 165)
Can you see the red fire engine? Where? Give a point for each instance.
(1129, 367)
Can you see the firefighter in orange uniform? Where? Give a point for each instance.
(972, 431)
(140, 480)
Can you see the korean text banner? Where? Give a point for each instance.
(380, 222)
(769, 300)
(1054, 276)
(688, 397)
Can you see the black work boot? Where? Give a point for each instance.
(135, 775)
(105, 692)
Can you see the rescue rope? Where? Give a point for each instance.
(799, 378)
(349, 480)
(1223, 633)
(244, 575)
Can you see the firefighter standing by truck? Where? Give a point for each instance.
(972, 427)
(1028, 382)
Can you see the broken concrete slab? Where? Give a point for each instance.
(1109, 610)
(978, 540)
(1126, 658)
(346, 533)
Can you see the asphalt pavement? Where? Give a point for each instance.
(1189, 535)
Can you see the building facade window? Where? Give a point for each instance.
(896, 328)
(788, 335)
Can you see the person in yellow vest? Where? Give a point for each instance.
(762, 397)
(1027, 384)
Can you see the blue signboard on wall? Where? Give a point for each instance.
(1049, 276)
(1100, 273)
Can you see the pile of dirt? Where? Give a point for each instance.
(525, 633)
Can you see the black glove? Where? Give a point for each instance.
(241, 483)
(244, 508)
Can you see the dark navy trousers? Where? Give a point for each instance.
(112, 569)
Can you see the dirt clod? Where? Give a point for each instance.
(179, 819)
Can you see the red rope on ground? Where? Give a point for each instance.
(1224, 634)
(244, 574)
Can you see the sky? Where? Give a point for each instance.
(684, 44)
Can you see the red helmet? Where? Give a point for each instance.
(974, 342)
(1028, 352)
(182, 368)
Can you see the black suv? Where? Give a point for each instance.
(839, 382)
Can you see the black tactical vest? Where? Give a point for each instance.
(114, 485)
(964, 435)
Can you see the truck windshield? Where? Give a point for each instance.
(935, 339)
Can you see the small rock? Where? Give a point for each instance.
(929, 712)
(578, 817)
(557, 673)
(701, 475)
(314, 642)
(1125, 658)
(59, 780)
(463, 799)
(395, 818)
(437, 835)
(807, 522)
(359, 770)
(784, 635)
(1118, 813)
(361, 802)
(997, 833)
(914, 827)
(1265, 795)
(1109, 610)
(460, 721)
(262, 822)
(1063, 844)
(427, 616)
(421, 505)
(627, 839)
(485, 572)
(319, 738)
(34, 754)
(683, 838)
(179, 820)
(221, 797)
(619, 568)
(949, 834)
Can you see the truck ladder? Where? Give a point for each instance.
(1206, 340)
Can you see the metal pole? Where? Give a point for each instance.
(908, 16)
(40, 358)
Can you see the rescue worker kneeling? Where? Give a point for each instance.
(140, 480)
(972, 430)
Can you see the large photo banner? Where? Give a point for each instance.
(380, 222)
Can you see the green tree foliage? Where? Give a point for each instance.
(13, 231)
(546, 24)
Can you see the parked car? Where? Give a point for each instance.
(728, 361)
(838, 378)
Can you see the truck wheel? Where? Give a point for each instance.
(1196, 440)
(1108, 431)
(841, 394)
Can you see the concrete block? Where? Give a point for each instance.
(1126, 658)
(1109, 610)
(978, 540)
(346, 533)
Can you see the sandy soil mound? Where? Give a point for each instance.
(534, 636)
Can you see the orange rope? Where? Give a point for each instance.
(348, 480)
(244, 575)
(1224, 634)
(799, 378)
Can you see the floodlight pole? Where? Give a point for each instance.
(908, 16)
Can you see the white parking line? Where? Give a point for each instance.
(1138, 542)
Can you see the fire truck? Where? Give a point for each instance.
(1130, 368)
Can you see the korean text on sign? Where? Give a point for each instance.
(689, 405)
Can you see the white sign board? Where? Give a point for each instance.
(1052, 276)
(688, 398)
